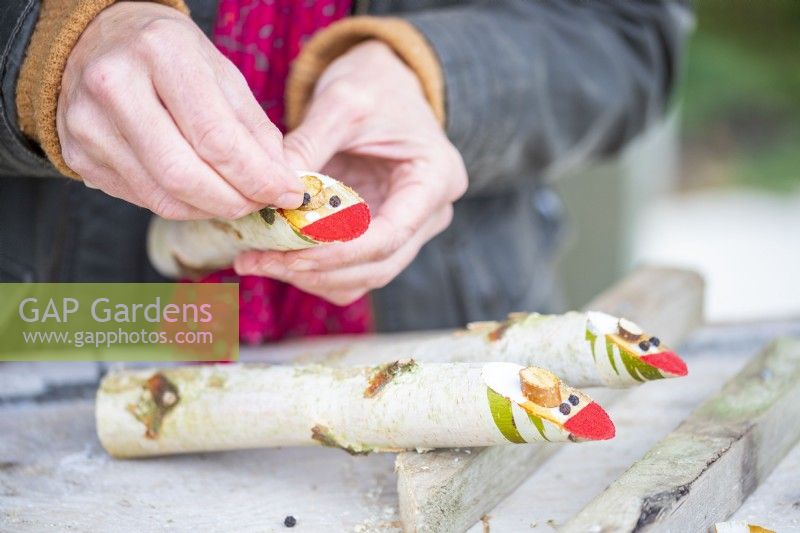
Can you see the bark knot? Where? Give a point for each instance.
(384, 374)
(159, 397)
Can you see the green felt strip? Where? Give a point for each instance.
(536, 421)
(610, 352)
(591, 337)
(500, 407)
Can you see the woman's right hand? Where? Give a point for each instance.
(152, 113)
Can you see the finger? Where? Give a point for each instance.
(108, 163)
(131, 175)
(342, 298)
(351, 279)
(250, 113)
(326, 128)
(208, 121)
(168, 158)
(408, 207)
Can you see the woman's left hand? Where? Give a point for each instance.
(370, 126)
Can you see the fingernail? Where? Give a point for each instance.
(289, 200)
(302, 265)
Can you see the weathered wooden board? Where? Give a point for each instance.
(55, 476)
(446, 490)
(776, 502)
(703, 471)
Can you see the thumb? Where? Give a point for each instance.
(322, 133)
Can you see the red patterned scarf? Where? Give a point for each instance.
(262, 37)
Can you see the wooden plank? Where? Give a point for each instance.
(703, 471)
(776, 502)
(54, 474)
(449, 490)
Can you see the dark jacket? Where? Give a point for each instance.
(532, 87)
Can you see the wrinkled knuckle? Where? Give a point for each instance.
(314, 280)
(380, 279)
(74, 158)
(215, 141)
(153, 39)
(237, 210)
(353, 256)
(104, 79)
(76, 116)
(165, 206)
(174, 176)
(386, 248)
(351, 97)
(265, 191)
(399, 237)
(79, 129)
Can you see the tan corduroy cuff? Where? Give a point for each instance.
(58, 29)
(406, 41)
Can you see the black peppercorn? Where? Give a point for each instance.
(290, 521)
(655, 341)
(335, 201)
(564, 408)
(306, 199)
(644, 345)
(573, 399)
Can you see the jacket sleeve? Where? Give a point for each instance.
(542, 84)
(18, 155)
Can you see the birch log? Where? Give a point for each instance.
(586, 349)
(703, 471)
(331, 212)
(448, 491)
(396, 406)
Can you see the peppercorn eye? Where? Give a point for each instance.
(573, 399)
(644, 345)
(655, 341)
(564, 408)
(335, 201)
(306, 198)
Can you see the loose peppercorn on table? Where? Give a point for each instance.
(54, 472)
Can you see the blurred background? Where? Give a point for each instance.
(716, 187)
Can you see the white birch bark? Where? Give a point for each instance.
(583, 348)
(181, 248)
(401, 405)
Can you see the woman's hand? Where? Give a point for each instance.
(369, 125)
(152, 113)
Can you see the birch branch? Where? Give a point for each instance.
(396, 406)
(448, 491)
(586, 349)
(706, 468)
(331, 212)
